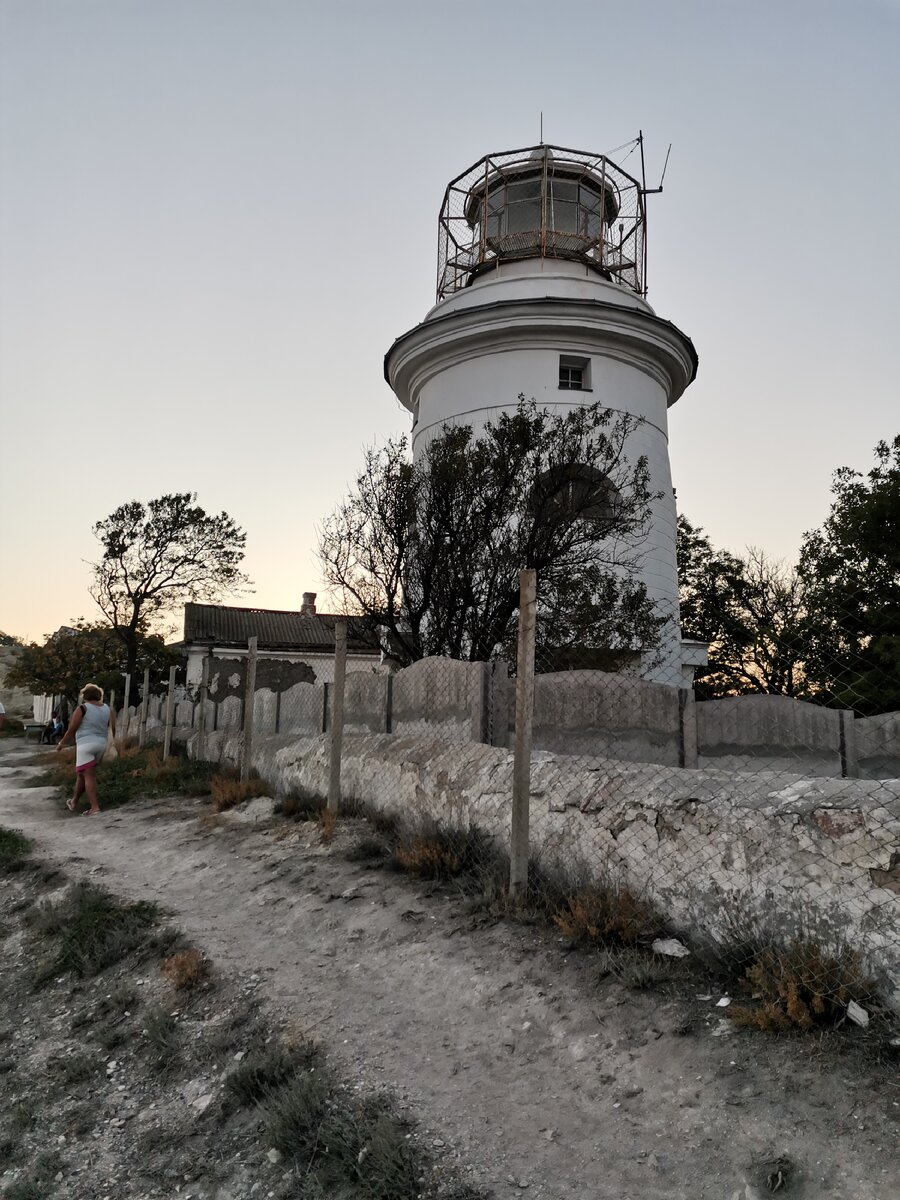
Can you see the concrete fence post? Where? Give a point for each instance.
(519, 835)
(200, 752)
(145, 708)
(337, 714)
(249, 707)
(170, 713)
(849, 752)
(687, 719)
(125, 721)
(112, 700)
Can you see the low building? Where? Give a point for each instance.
(305, 637)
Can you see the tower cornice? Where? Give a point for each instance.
(636, 337)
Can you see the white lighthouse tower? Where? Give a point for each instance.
(541, 291)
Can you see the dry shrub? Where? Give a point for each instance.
(436, 851)
(227, 791)
(428, 857)
(327, 823)
(800, 986)
(186, 970)
(607, 915)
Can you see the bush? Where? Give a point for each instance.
(608, 915)
(186, 970)
(800, 986)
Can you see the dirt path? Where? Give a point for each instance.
(510, 1051)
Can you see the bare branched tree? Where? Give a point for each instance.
(429, 553)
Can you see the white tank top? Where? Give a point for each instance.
(93, 723)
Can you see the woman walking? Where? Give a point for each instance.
(89, 728)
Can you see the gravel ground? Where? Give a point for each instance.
(521, 1069)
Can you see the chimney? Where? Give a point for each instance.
(308, 607)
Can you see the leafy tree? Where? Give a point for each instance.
(753, 613)
(429, 553)
(158, 556)
(7, 639)
(851, 570)
(87, 653)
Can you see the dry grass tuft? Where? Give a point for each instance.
(186, 970)
(801, 986)
(606, 915)
(327, 823)
(227, 792)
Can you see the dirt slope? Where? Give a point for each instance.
(543, 1080)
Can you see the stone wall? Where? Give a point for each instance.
(798, 854)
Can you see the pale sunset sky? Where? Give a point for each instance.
(216, 216)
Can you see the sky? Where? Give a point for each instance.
(216, 216)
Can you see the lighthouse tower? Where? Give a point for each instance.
(541, 291)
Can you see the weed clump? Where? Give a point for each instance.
(800, 986)
(259, 1075)
(95, 931)
(227, 791)
(163, 1041)
(607, 915)
(186, 970)
(14, 848)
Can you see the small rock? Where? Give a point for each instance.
(274, 1156)
(857, 1014)
(202, 1103)
(724, 1002)
(671, 947)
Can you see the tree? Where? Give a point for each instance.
(87, 653)
(851, 569)
(429, 553)
(158, 556)
(753, 613)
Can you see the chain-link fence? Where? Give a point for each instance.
(761, 828)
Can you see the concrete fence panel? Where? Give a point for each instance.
(591, 712)
(878, 746)
(776, 733)
(367, 703)
(442, 697)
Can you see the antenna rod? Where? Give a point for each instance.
(665, 167)
(542, 127)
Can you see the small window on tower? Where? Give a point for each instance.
(574, 373)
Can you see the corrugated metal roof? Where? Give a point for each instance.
(274, 630)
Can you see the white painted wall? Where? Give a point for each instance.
(478, 350)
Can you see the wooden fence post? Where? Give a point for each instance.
(170, 713)
(125, 721)
(145, 708)
(249, 705)
(519, 837)
(204, 693)
(337, 713)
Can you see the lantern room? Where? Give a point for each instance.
(542, 202)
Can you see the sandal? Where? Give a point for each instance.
(70, 804)
(91, 812)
